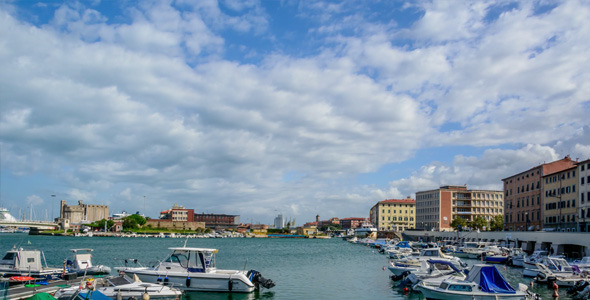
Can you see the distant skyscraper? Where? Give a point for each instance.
(279, 222)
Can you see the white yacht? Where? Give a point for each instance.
(19, 261)
(366, 230)
(194, 269)
(81, 263)
(433, 272)
(530, 263)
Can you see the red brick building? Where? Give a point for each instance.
(523, 196)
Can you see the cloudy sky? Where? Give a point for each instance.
(263, 107)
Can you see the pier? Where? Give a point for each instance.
(570, 244)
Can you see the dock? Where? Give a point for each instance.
(22, 291)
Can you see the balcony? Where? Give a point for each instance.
(464, 212)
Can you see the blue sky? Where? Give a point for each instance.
(303, 108)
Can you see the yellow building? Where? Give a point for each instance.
(394, 214)
(560, 200)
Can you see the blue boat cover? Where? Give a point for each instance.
(491, 281)
(95, 295)
(403, 244)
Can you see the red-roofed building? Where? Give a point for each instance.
(524, 199)
(394, 214)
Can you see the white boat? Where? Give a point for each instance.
(530, 263)
(19, 261)
(194, 269)
(469, 250)
(121, 287)
(81, 263)
(483, 282)
(433, 272)
(582, 264)
(556, 269)
(413, 263)
(365, 230)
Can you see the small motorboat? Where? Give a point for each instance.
(194, 269)
(120, 287)
(483, 282)
(21, 262)
(433, 273)
(81, 263)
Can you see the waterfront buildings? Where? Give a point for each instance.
(584, 196)
(352, 223)
(523, 203)
(560, 197)
(82, 213)
(218, 221)
(178, 218)
(436, 209)
(394, 214)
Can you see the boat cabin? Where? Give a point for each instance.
(196, 260)
(21, 260)
(82, 259)
(459, 286)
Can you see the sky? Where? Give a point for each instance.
(299, 108)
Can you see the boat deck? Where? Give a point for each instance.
(21, 291)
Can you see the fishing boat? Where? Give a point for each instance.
(81, 263)
(194, 269)
(483, 282)
(18, 261)
(120, 287)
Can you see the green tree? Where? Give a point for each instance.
(497, 223)
(479, 223)
(133, 222)
(100, 224)
(458, 222)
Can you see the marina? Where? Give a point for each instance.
(300, 268)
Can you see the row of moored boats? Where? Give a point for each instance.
(440, 272)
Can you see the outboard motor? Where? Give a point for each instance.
(257, 279)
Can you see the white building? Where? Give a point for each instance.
(279, 222)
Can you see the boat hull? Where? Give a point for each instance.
(437, 293)
(206, 282)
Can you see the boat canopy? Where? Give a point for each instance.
(490, 280)
(403, 244)
(211, 250)
(444, 262)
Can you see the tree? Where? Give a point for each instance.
(458, 223)
(479, 223)
(497, 223)
(100, 224)
(133, 222)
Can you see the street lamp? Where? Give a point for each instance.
(526, 214)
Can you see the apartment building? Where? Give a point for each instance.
(523, 202)
(560, 196)
(436, 209)
(584, 196)
(394, 214)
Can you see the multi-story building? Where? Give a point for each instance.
(523, 203)
(178, 213)
(394, 214)
(436, 209)
(352, 223)
(279, 222)
(83, 213)
(560, 195)
(218, 221)
(178, 218)
(584, 196)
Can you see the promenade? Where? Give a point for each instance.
(570, 244)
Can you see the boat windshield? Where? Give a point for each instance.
(9, 256)
(178, 258)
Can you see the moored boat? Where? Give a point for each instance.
(19, 261)
(81, 263)
(194, 269)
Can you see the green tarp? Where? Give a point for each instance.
(41, 296)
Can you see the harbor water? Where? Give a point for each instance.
(301, 268)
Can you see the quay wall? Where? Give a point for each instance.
(570, 244)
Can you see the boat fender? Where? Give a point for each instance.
(159, 279)
(119, 295)
(145, 296)
(188, 282)
(166, 280)
(230, 285)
